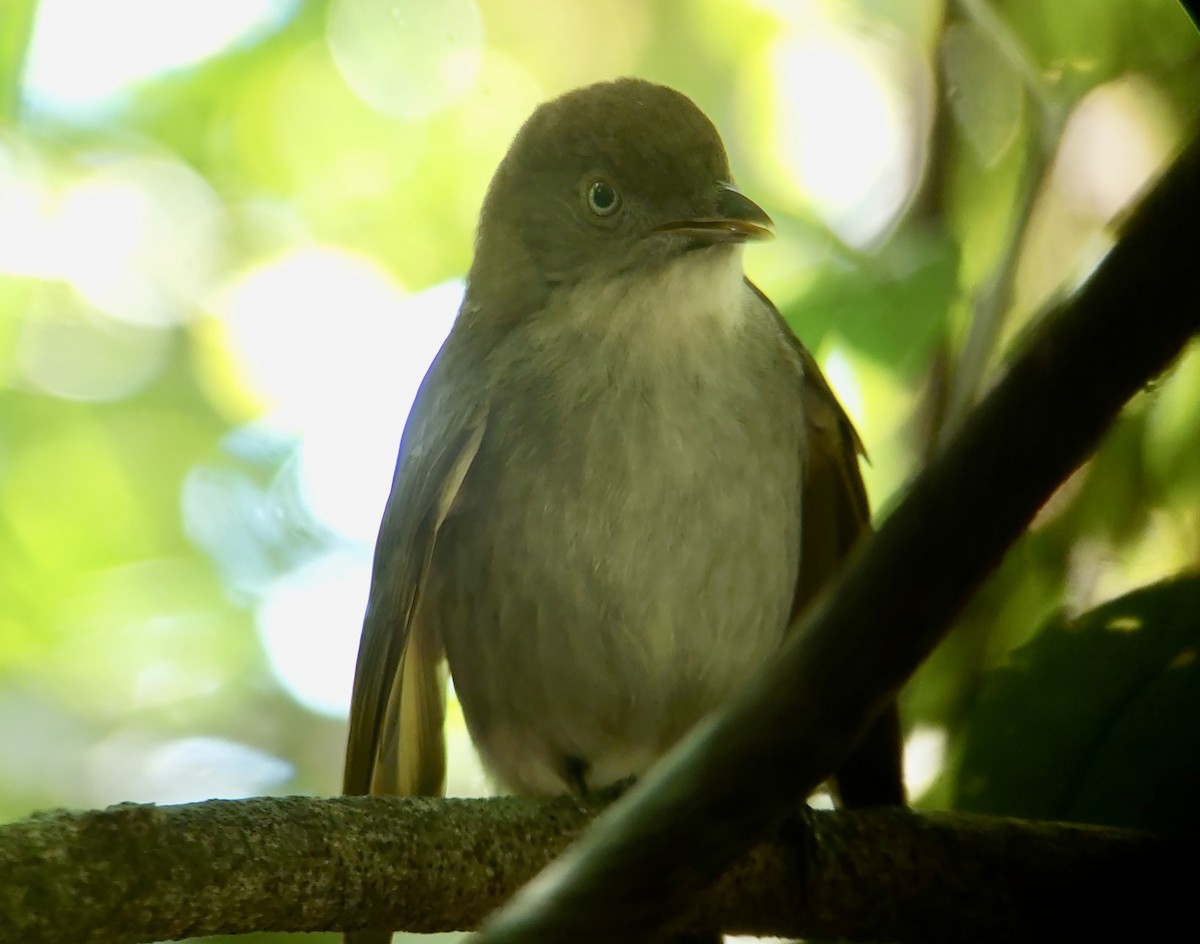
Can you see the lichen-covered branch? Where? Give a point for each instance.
(135, 873)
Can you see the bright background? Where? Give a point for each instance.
(233, 233)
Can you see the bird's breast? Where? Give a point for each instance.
(623, 552)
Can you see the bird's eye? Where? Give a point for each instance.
(602, 198)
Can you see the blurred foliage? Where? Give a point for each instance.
(162, 530)
(1120, 750)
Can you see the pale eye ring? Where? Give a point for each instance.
(603, 198)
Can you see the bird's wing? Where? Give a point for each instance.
(397, 709)
(835, 515)
(835, 512)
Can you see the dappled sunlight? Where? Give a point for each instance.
(339, 389)
(143, 637)
(26, 232)
(1116, 140)
(130, 766)
(1124, 624)
(124, 251)
(1184, 659)
(141, 239)
(465, 776)
(292, 322)
(1100, 570)
(71, 351)
(84, 55)
(849, 115)
(233, 236)
(878, 404)
(1113, 144)
(924, 758)
(564, 45)
(356, 349)
(409, 60)
(842, 378)
(309, 621)
(344, 474)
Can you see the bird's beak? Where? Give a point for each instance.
(738, 218)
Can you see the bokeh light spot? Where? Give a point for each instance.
(130, 766)
(406, 58)
(847, 125)
(84, 54)
(309, 624)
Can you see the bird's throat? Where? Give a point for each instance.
(693, 298)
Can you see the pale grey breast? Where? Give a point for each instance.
(624, 550)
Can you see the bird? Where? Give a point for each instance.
(622, 478)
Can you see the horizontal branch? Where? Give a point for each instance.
(135, 873)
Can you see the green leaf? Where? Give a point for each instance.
(892, 306)
(1095, 719)
(16, 27)
(984, 92)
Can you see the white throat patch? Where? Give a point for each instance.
(688, 298)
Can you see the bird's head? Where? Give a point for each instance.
(604, 182)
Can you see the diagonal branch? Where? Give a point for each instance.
(661, 845)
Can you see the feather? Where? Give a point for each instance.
(835, 516)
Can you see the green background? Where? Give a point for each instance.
(152, 514)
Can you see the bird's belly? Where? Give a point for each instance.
(598, 594)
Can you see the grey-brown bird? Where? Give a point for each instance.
(622, 478)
